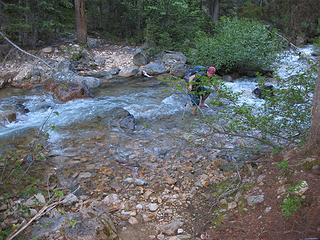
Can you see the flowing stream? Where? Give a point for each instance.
(79, 141)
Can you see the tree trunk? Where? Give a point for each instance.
(214, 8)
(81, 22)
(313, 144)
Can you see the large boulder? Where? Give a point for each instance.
(67, 91)
(65, 74)
(179, 70)
(129, 71)
(119, 117)
(140, 58)
(171, 58)
(154, 68)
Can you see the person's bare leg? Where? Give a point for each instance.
(194, 110)
(202, 101)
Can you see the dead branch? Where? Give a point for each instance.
(23, 51)
(44, 210)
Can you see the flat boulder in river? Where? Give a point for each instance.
(119, 117)
(67, 91)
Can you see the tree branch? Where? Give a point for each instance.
(23, 51)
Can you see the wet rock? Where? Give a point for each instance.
(153, 207)
(67, 91)
(154, 68)
(264, 91)
(119, 117)
(70, 199)
(114, 70)
(7, 117)
(129, 71)
(100, 74)
(255, 199)
(171, 228)
(140, 58)
(179, 70)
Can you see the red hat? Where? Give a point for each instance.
(211, 70)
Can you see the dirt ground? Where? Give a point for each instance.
(266, 220)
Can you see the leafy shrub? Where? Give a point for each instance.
(291, 205)
(237, 43)
(172, 24)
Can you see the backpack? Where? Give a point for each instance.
(200, 70)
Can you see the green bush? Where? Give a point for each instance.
(237, 43)
(291, 205)
(172, 24)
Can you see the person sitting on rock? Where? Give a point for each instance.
(197, 92)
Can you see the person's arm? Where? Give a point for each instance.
(191, 78)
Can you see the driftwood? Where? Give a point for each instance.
(23, 51)
(44, 210)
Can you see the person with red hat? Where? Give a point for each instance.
(197, 92)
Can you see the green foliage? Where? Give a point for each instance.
(73, 223)
(297, 187)
(290, 205)
(237, 43)
(283, 165)
(172, 24)
(29, 21)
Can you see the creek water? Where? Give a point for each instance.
(81, 143)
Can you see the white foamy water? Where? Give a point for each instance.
(292, 63)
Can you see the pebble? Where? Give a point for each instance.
(180, 230)
(84, 175)
(232, 205)
(253, 200)
(40, 198)
(160, 237)
(153, 207)
(171, 228)
(70, 199)
(133, 221)
(268, 209)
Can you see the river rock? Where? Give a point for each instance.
(47, 50)
(7, 117)
(140, 58)
(94, 42)
(171, 228)
(255, 199)
(129, 71)
(119, 117)
(70, 199)
(179, 70)
(24, 74)
(67, 91)
(171, 58)
(154, 68)
(153, 207)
